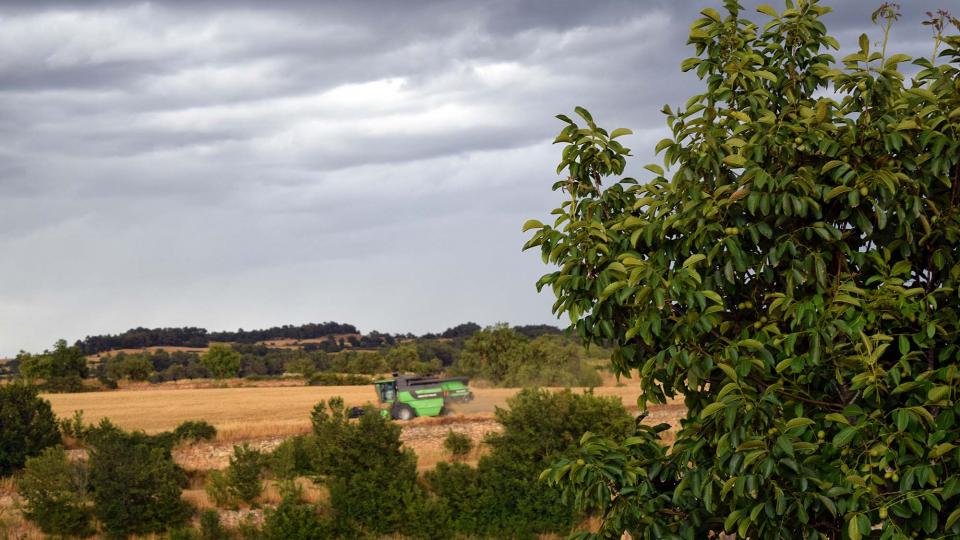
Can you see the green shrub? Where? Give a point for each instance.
(371, 478)
(502, 496)
(293, 519)
(240, 482)
(74, 427)
(218, 489)
(136, 484)
(194, 431)
(55, 491)
(293, 457)
(210, 527)
(458, 445)
(336, 379)
(27, 426)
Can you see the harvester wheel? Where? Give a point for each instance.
(403, 412)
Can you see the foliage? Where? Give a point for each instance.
(335, 379)
(457, 444)
(794, 276)
(506, 357)
(74, 427)
(371, 478)
(194, 431)
(63, 361)
(27, 426)
(240, 482)
(293, 457)
(55, 493)
(136, 485)
(294, 519)
(222, 361)
(502, 496)
(210, 527)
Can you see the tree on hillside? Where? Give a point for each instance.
(794, 277)
(222, 361)
(64, 366)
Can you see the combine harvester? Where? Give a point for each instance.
(408, 397)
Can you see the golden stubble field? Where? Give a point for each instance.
(255, 412)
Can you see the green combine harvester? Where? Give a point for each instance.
(409, 396)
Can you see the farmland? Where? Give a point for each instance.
(249, 413)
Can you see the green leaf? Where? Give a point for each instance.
(655, 169)
(532, 224)
(853, 528)
(619, 132)
(838, 418)
(693, 259)
(711, 409)
(845, 436)
(735, 160)
(712, 13)
(952, 519)
(767, 10)
(799, 422)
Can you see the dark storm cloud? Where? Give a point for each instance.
(251, 163)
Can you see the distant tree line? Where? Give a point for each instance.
(138, 338)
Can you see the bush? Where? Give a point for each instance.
(210, 527)
(27, 426)
(371, 478)
(194, 431)
(293, 519)
(240, 482)
(55, 491)
(136, 485)
(294, 457)
(458, 445)
(74, 427)
(336, 379)
(502, 496)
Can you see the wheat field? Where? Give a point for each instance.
(257, 412)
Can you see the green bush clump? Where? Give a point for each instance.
(55, 491)
(293, 457)
(136, 484)
(371, 478)
(241, 481)
(210, 526)
(457, 444)
(337, 379)
(194, 431)
(502, 495)
(27, 426)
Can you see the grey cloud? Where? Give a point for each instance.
(230, 164)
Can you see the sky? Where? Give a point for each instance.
(248, 164)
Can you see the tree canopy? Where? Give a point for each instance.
(791, 273)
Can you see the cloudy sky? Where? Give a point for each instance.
(248, 164)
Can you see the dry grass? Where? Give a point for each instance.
(246, 413)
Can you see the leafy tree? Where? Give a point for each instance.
(301, 366)
(61, 369)
(27, 426)
(371, 478)
(491, 352)
(793, 277)
(55, 493)
(222, 361)
(136, 484)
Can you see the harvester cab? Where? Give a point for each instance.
(408, 397)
